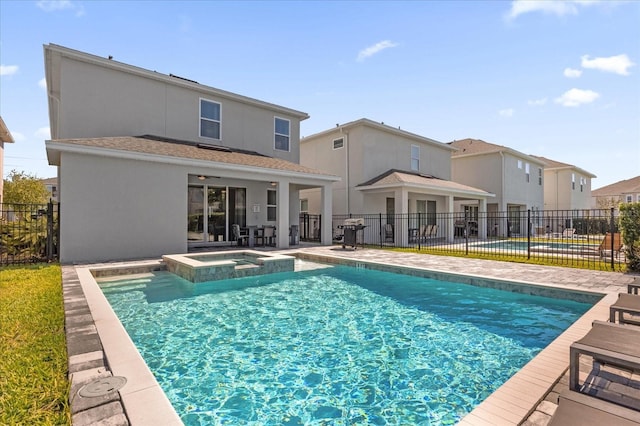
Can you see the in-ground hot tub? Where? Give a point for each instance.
(212, 266)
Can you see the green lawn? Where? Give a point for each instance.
(34, 389)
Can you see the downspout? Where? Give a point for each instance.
(347, 170)
(502, 198)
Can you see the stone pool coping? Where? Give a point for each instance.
(142, 402)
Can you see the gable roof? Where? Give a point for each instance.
(471, 147)
(628, 186)
(395, 177)
(558, 165)
(378, 126)
(152, 148)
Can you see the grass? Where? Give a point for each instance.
(33, 370)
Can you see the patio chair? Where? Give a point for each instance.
(268, 235)
(434, 231)
(425, 232)
(577, 409)
(388, 232)
(568, 232)
(605, 246)
(239, 236)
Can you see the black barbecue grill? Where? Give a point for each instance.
(352, 232)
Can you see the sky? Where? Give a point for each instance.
(558, 79)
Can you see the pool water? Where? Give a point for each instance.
(339, 345)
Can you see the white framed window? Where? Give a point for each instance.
(210, 113)
(639, 198)
(338, 143)
(573, 181)
(540, 176)
(282, 130)
(629, 198)
(415, 158)
(272, 200)
(582, 182)
(304, 205)
(527, 173)
(520, 164)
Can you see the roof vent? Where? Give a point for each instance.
(213, 147)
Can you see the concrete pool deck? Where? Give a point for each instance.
(99, 347)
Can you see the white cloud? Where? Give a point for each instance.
(43, 83)
(577, 97)
(8, 69)
(619, 64)
(376, 48)
(553, 7)
(507, 112)
(572, 73)
(57, 5)
(43, 133)
(537, 102)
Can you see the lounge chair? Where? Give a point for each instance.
(425, 231)
(607, 343)
(577, 409)
(605, 249)
(434, 231)
(628, 304)
(239, 236)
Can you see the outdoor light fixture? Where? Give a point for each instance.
(274, 183)
(202, 177)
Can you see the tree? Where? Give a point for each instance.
(23, 188)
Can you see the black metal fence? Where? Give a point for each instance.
(29, 233)
(584, 238)
(310, 225)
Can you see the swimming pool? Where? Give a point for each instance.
(339, 345)
(538, 245)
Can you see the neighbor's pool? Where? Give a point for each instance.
(522, 245)
(336, 346)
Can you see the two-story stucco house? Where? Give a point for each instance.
(566, 187)
(5, 137)
(515, 178)
(624, 191)
(151, 164)
(386, 170)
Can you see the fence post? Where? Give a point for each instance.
(612, 226)
(50, 231)
(528, 234)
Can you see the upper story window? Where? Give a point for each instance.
(573, 181)
(540, 176)
(527, 173)
(582, 182)
(282, 134)
(209, 119)
(338, 143)
(520, 164)
(415, 158)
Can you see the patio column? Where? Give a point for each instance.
(326, 200)
(401, 233)
(482, 224)
(450, 222)
(282, 227)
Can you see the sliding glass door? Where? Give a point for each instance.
(223, 205)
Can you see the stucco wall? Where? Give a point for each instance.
(100, 102)
(120, 209)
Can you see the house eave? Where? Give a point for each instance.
(427, 188)
(55, 148)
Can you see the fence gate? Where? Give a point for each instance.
(29, 233)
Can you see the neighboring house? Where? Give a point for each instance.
(52, 187)
(386, 170)
(515, 178)
(566, 187)
(5, 137)
(152, 164)
(625, 191)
